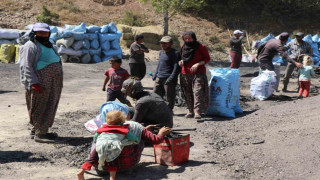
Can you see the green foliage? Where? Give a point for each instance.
(214, 39)
(133, 19)
(176, 6)
(47, 16)
(219, 47)
(70, 6)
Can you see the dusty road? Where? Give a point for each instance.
(273, 139)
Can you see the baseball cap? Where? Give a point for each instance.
(284, 36)
(166, 39)
(41, 27)
(299, 34)
(237, 32)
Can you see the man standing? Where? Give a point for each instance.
(236, 51)
(136, 60)
(297, 49)
(268, 50)
(167, 71)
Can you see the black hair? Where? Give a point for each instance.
(138, 36)
(116, 59)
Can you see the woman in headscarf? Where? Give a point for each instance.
(193, 79)
(42, 76)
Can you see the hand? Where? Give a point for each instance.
(81, 174)
(103, 89)
(181, 63)
(299, 65)
(194, 68)
(168, 81)
(164, 131)
(154, 77)
(37, 88)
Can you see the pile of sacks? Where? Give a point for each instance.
(9, 47)
(314, 41)
(87, 44)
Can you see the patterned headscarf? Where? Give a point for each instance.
(111, 106)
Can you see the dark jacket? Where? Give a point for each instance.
(235, 44)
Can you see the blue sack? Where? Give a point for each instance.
(105, 46)
(94, 44)
(96, 59)
(109, 37)
(277, 59)
(91, 36)
(112, 28)
(53, 29)
(224, 92)
(93, 29)
(53, 38)
(308, 39)
(267, 38)
(115, 44)
(112, 52)
(104, 29)
(95, 52)
(81, 28)
(65, 34)
(78, 35)
(86, 44)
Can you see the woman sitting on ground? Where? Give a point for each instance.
(130, 155)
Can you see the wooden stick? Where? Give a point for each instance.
(183, 129)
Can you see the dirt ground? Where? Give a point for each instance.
(273, 139)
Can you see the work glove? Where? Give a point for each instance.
(37, 88)
(154, 77)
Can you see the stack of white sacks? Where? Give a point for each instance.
(92, 44)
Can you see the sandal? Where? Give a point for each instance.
(189, 115)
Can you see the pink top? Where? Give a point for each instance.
(116, 78)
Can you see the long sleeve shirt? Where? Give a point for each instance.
(272, 48)
(296, 49)
(235, 44)
(129, 156)
(201, 54)
(168, 66)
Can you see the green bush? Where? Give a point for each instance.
(214, 39)
(47, 17)
(219, 47)
(133, 19)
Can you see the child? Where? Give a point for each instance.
(305, 76)
(111, 138)
(116, 75)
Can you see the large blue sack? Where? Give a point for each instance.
(104, 29)
(96, 59)
(91, 36)
(115, 44)
(112, 52)
(267, 38)
(65, 34)
(93, 29)
(94, 44)
(105, 46)
(95, 52)
(308, 39)
(53, 37)
(109, 37)
(86, 44)
(224, 92)
(78, 35)
(112, 28)
(81, 28)
(53, 29)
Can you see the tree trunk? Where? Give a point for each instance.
(166, 22)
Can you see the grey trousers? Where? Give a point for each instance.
(289, 70)
(167, 90)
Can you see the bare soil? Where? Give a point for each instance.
(273, 139)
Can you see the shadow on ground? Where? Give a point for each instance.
(19, 156)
